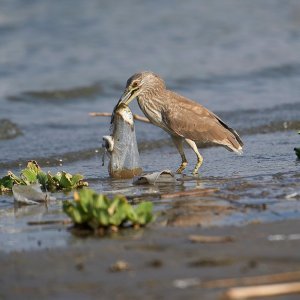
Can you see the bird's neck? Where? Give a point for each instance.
(152, 104)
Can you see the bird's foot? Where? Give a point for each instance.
(181, 167)
(195, 172)
(198, 165)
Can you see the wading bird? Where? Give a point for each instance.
(182, 118)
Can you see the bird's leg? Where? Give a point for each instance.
(193, 145)
(179, 145)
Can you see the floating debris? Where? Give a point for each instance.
(186, 283)
(30, 194)
(165, 176)
(268, 279)
(120, 266)
(251, 280)
(210, 239)
(292, 195)
(284, 237)
(247, 292)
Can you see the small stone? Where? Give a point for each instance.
(120, 266)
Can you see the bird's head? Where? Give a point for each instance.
(141, 83)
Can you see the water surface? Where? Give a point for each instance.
(240, 59)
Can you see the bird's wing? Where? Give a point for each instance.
(193, 121)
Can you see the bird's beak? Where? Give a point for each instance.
(127, 97)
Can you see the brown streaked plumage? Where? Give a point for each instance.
(182, 118)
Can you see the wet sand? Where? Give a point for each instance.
(157, 256)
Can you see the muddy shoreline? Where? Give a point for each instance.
(157, 257)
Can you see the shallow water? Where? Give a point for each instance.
(240, 59)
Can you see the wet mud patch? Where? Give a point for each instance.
(210, 262)
(236, 201)
(197, 213)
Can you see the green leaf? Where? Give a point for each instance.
(123, 209)
(42, 179)
(100, 201)
(16, 179)
(65, 180)
(144, 207)
(52, 182)
(85, 199)
(113, 206)
(33, 166)
(57, 176)
(29, 176)
(75, 179)
(116, 219)
(144, 212)
(297, 151)
(103, 217)
(72, 212)
(132, 215)
(6, 183)
(76, 216)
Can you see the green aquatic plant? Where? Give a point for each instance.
(297, 150)
(34, 174)
(95, 211)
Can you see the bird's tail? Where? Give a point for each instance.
(234, 142)
(238, 151)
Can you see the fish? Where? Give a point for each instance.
(121, 146)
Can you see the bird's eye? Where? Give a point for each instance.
(134, 84)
